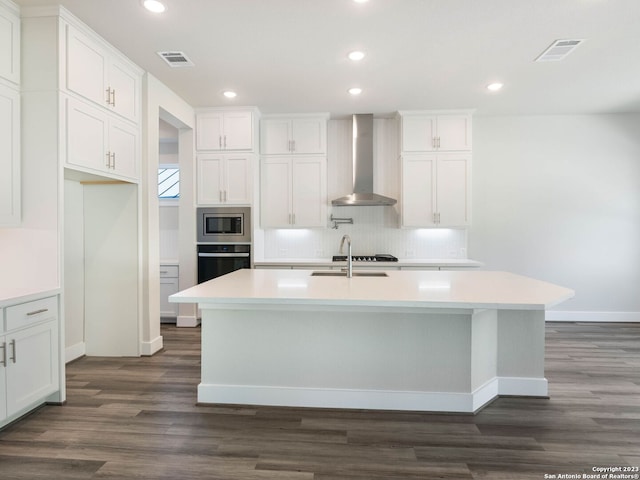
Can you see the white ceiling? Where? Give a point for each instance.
(289, 56)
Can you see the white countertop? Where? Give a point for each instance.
(15, 295)
(402, 262)
(425, 289)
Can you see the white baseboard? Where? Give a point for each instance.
(149, 348)
(74, 351)
(566, 316)
(370, 399)
(187, 321)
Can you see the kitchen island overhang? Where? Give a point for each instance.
(419, 340)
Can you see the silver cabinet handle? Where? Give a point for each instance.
(108, 90)
(36, 312)
(225, 141)
(220, 141)
(4, 354)
(220, 195)
(293, 145)
(225, 195)
(113, 90)
(13, 344)
(294, 219)
(108, 164)
(113, 157)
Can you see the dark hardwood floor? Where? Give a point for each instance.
(137, 418)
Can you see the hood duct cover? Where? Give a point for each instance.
(363, 194)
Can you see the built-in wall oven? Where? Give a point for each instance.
(224, 241)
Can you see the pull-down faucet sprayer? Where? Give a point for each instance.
(349, 260)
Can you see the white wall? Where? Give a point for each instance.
(558, 198)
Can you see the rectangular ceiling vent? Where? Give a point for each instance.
(176, 59)
(559, 50)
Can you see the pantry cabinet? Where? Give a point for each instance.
(224, 179)
(435, 190)
(98, 75)
(294, 192)
(281, 135)
(29, 357)
(99, 143)
(429, 132)
(225, 130)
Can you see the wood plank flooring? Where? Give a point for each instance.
(136, 418)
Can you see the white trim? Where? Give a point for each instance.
(371, 399)
(567, 316)
(187, 321)
(149, 348)
(74, 351)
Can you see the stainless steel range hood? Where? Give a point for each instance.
(363, 194)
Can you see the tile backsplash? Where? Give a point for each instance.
(374, 230)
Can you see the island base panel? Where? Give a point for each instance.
(455, 362)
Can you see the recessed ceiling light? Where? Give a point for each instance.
(230, 94)
(494, 87)
(361, 1)
(355, 91)
(154, 6)
(356, 55)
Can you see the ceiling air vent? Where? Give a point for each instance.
(558, 50)
(176, 59)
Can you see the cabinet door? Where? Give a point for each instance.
(209, 131)
(168, 286)
(454, 132)
(418, 190)
(125, 87)
(210, 179)
(309, 135)
(87, 67)
(237, 176)
(275, 136)
(276, 192)
(86, 136)
(418, 133)
(123, 145)
(9, 46)
(32, 366)
(309, 192)
(452, 189)
(9, 156)
(238, 131)
(4, 354)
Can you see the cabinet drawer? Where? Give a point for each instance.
(25, 314)
(168, 271)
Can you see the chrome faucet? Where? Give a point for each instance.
(349, 261)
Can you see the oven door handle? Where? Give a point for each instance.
(223, 255)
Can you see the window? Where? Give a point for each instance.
(168, 182)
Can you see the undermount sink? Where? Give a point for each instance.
(330, 273)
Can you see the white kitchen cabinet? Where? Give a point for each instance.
(169, 284)
(29, 357)
(10, 42)
(224, 179)
(425, 132)
(9, 156)
(294, 192)
(100, 143)
(435, 190)
(281, 135)
(225, 130)
(97, 74)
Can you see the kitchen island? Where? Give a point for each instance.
(404, 340)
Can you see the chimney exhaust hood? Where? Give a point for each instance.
(363, 194)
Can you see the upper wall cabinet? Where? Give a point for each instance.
(9, 43)
(429, 132)
(9, 156)
(97, 74)
(226, 130)
(299, 135)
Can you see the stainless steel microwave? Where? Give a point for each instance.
(224, 225)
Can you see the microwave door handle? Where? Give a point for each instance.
(223, 255)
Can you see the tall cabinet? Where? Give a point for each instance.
(293, 173)
(9, 114)
(436, 168)
(81, 117)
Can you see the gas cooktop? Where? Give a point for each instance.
(378, 257)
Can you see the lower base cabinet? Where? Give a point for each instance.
(29, 357)
(169, 280)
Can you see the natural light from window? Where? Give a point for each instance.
(168, 182)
